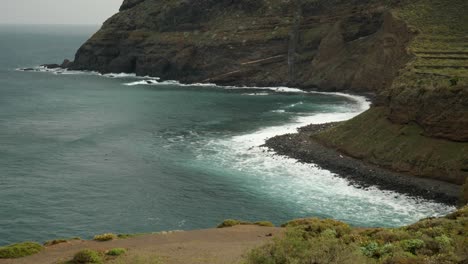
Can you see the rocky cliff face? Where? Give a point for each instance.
(337, 45)
(412, 54)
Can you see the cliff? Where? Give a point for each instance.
(412, 54)
(303, 43)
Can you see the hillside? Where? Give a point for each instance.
(420, 123)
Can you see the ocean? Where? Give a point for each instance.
(83, 153)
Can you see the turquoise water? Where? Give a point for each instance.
(82, 154)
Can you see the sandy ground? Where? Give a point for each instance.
(223, 246)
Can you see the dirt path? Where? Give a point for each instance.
(210, 246)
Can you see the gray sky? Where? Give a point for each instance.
(57, 11)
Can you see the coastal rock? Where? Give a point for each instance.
(51, 66)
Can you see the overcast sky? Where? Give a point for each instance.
(57, 11)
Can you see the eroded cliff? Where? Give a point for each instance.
(334, 45)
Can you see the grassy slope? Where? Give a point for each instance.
(441, 57)
(436, 240)
(399, 147)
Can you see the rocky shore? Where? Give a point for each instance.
(303, 147)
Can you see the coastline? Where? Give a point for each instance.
(302, 147)
(298, 145)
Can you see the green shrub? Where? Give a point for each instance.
(390, 235)
(87, 256)
(264, 223)
(411, 245)
(444, 243)
(59, 241)
(432, 240)
(370, 249)
(124, 236)
(315, 226)
(233, 222)
(20, 250)
(296, 248)
(116, 252)
(229, 223)
(105, 237)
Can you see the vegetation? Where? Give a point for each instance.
(105, 237)
(20, 250)
(397, 146)
(233, 222)
(87, 256)
(116, 252)
(432, 240)
(59, 241)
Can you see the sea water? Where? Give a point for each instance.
(83, 153)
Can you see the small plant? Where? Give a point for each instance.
(20, 250)
(54, 242)
(370, 249)
(444, 243)
(229, 223)
(116, 252)
(59, 241)
(87, 256)
(105, 237)
(233, 222)
(264, 223)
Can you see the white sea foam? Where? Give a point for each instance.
(309, 188)
(306, 187)
(156, 82)
(256, 94)
(61, 71)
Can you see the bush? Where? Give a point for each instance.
(87, 256)
(105, 237)
(431, 240)
(444, 243)
(116, 252)
(411, 245)
(20, 250)
(59, 241)
(264, 223)
(233, 222)
(315, 226)
(230, 223)
(296, 248)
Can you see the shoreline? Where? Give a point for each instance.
(300, 146)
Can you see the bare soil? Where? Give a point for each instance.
(213, 246)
